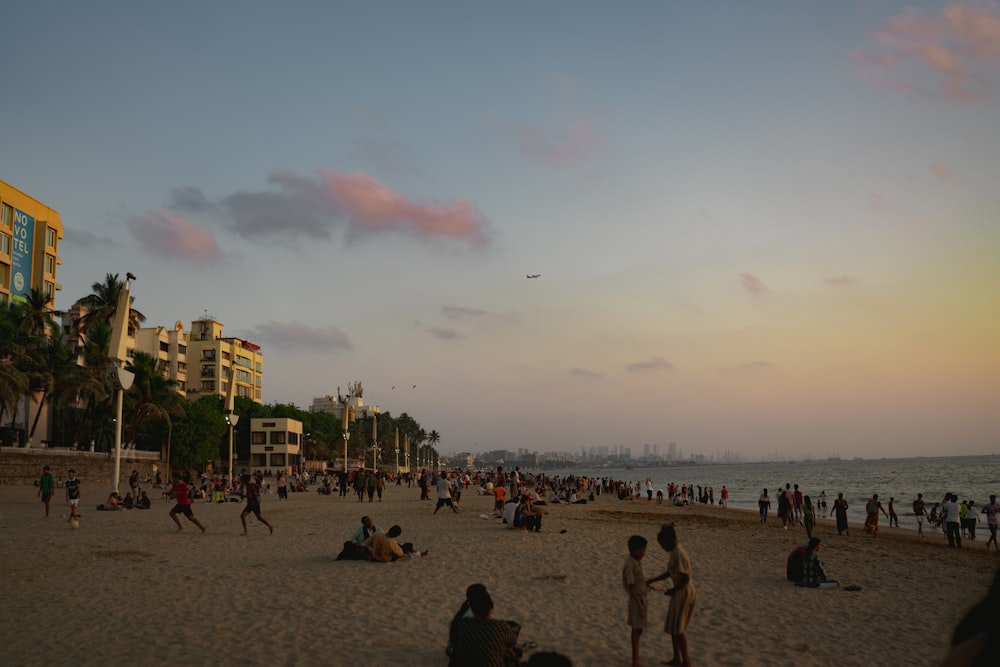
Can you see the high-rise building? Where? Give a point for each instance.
(29, 246)
(29, 255)
(212, 358)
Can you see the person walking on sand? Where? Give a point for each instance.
(840, 509)
(682, 593)
(872, 508)
(724, 500)
(949, 517)
(992, 520)
(764, 504)
(635, 585)
(46, 484)
(893, 517)
(919, 511)
(808, 516)
(72, 486)
(253, 505)
(182, 492)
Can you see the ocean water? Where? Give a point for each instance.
(970, 477)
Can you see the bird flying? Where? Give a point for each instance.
(534, 275)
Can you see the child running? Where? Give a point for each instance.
(182, 492)
(253, 505)
(634, 582)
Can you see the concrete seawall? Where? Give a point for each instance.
(23, 467)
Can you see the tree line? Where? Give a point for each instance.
(68, 372)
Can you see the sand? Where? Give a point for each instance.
(124, 586)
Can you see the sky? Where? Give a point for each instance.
(767, 228)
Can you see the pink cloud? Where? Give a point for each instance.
(752, 283)
(941, 171)
(372, 207)
(170, 235)
(958, 47)
(877, 203)
(842, 280)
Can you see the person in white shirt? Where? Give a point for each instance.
(444, 494)
(950, 517)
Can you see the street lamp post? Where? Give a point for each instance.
(232, 420)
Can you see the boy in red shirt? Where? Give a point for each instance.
(181, 491)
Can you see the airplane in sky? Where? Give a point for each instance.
(534, 275)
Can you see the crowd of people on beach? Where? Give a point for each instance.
(520, 501)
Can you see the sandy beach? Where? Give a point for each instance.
(125, 586)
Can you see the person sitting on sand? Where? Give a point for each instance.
(813, 575)
(530, 517)
(482, 640)
(111, 504)
(143, 503)
(383, 547)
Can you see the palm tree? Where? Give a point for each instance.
(102, 304)
(152, 394)
(13, 380)
(433, 438)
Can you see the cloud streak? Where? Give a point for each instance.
(298, 336)
(752, 283)
(445, 333)
(941, 171)
(654, 364)
(842, 280)
(957, 48)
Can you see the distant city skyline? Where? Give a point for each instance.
(767, 228)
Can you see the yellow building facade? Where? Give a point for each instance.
(30, 233)
(211, 357)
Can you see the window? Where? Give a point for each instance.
(207, 385)
(48, 289)
(208, 371)
(4, 275)
(225, 355)
(277, 437)
(50, 264)
(181, 366)
(3, 299)
(256, 394)
(293, 438)
(164, 347)
(182, 349)
(50, 237)
(208, 354)
(277, 460)
(6, 216)
(258, 438)
(243, 376)
(5, 244)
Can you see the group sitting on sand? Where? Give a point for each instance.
(370, 543)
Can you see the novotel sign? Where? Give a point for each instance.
(21, 254)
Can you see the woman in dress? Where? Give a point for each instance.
(872, 508)
(682, 593)
(840, 509)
